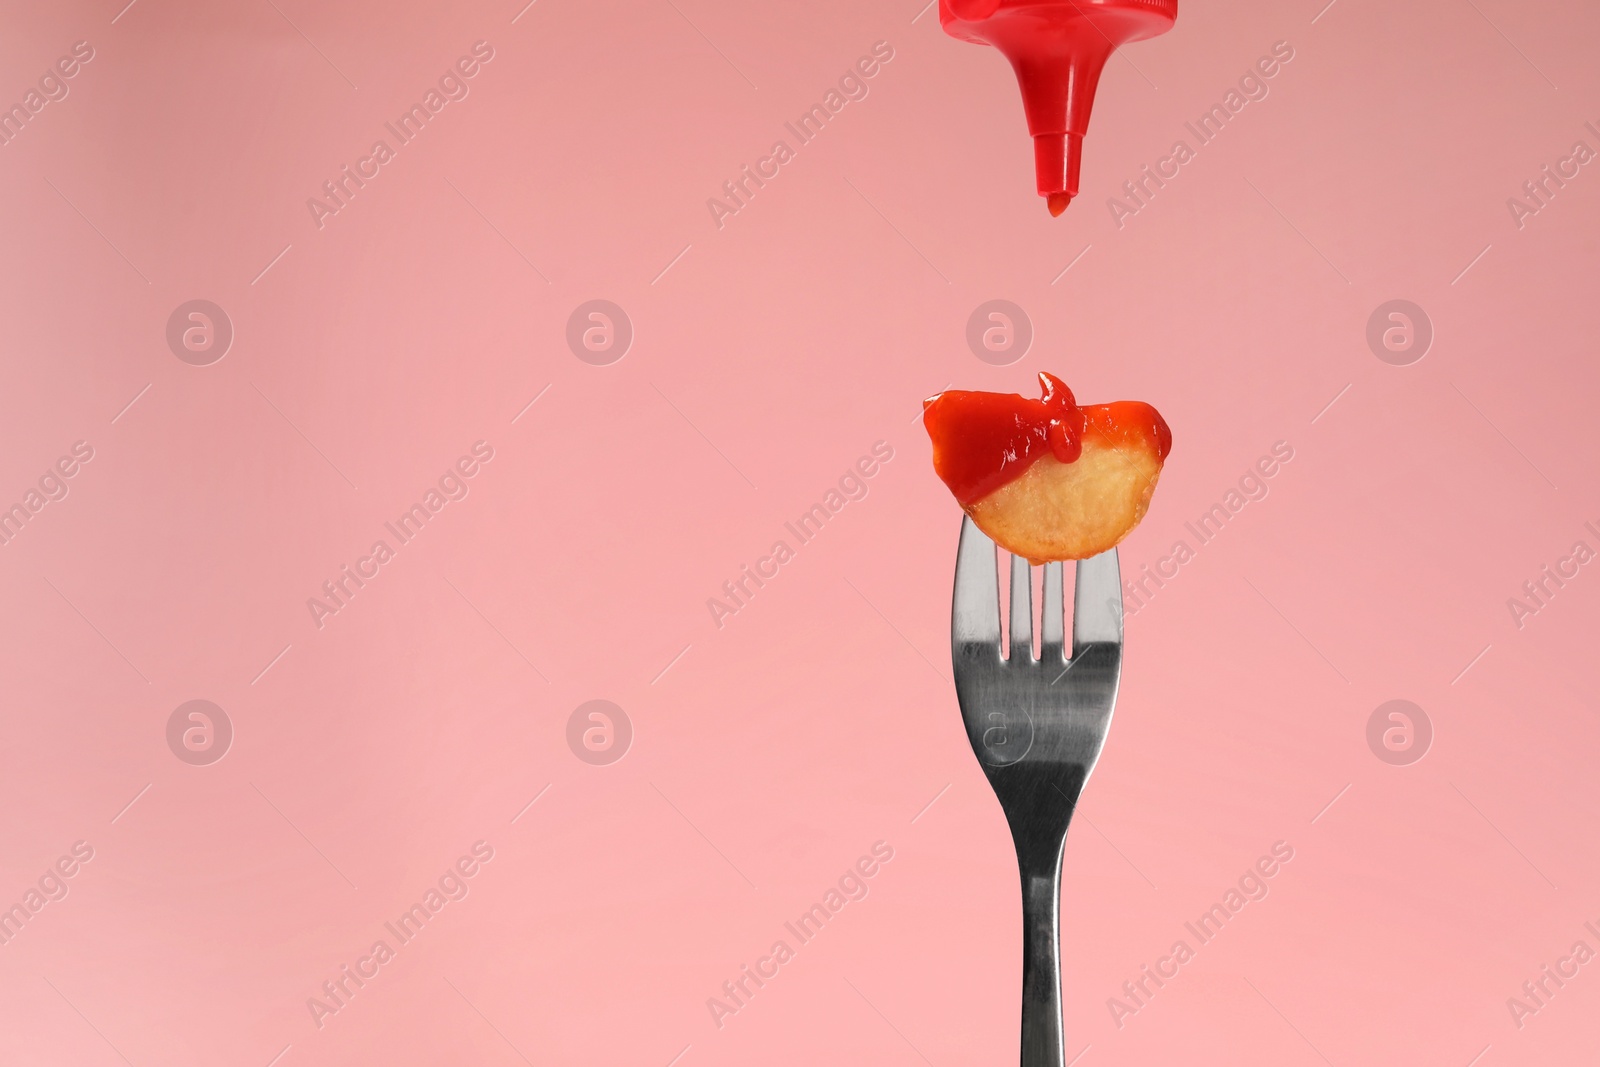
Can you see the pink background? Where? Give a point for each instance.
(768, 355)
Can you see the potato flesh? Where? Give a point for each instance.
(1061, 511)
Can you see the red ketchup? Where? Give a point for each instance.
(1057, 48)
(981, 441)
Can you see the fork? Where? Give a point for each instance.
(1037, 727)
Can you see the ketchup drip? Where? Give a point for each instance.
(981, 441)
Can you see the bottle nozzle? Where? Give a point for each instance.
(1057, 49)
(1056, 158)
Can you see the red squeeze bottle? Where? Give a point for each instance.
(1057, 48)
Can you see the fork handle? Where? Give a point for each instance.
(1041, 962)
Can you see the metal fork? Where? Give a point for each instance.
(1037, 727)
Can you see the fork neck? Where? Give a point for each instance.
(1039, 802)
(1042, 1044)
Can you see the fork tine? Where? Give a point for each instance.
(1097, 603)
(975, 607)
(1051, 624)
(1021, 610)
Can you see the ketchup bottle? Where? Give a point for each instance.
(1057, 48)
